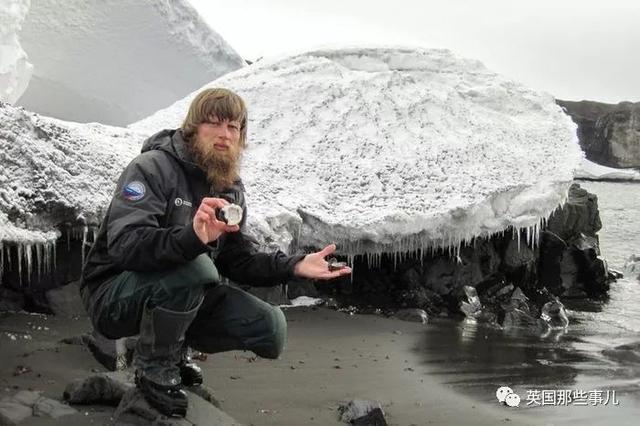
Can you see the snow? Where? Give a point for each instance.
(593, 171)
(53, 171)
(393, 150)
(379, 150)
(15, 69)
(303, 301)
(116, 61)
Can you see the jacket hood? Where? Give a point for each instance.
(172, 142)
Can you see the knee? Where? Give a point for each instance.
(185, 287)
(275, 335)
(199, 272)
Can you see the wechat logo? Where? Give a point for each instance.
(506, 395)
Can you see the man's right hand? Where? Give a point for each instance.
(205, 224)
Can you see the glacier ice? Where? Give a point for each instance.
(116, 61)
(392, 150)
(53, 173)
(386, 152)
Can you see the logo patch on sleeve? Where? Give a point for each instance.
(133, 191)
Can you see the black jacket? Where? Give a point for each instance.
(148, 226)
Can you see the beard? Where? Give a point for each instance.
(222, 167)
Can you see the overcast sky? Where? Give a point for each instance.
(573, 49)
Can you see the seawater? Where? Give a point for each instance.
(477, 359)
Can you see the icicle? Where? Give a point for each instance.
(85, 231)
(29, 258)
(20, 264)
(518, 236)
(54, 263)
(39, 259)
(69, 239)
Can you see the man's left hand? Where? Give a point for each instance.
(314, 266)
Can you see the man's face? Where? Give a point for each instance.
(220, 135)
(216, 148)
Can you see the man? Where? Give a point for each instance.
(154, 267)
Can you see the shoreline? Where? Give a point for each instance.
(330, 357)
(444, 372)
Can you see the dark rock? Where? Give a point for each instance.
(105, 388)
(413, 315)
(14, 409)
(11, 300)
(374, 417)
(579, 215)
(570, 262)
(355, 409)
(65, 301)
(609, 134)
(13, 413)
(46, 407)
(300, 287)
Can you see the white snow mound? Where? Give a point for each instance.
(393, 150)
(116, 61)
(15, 69)
(52, 172)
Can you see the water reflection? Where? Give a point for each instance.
(478, 359)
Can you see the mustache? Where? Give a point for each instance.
(222, 168)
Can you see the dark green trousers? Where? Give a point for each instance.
(229, 318)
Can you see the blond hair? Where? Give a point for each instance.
(219, 103)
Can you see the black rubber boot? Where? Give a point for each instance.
(190, 372)
(157, 356)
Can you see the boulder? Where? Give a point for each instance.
(104, 389)
(357, 410)
(24, 404)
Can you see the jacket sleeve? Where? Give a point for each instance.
(240, 260)
(136, 239)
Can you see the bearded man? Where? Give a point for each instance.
(154, 268)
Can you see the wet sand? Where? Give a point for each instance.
(330, 357)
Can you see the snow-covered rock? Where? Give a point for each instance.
(116, 61)
(592, 171)
(53, 171)
(393, 150)
(15, 69)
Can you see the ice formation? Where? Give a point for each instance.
(116, 61)
(392, 150)
(594, 171)
(54, 172)
(15, 69)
